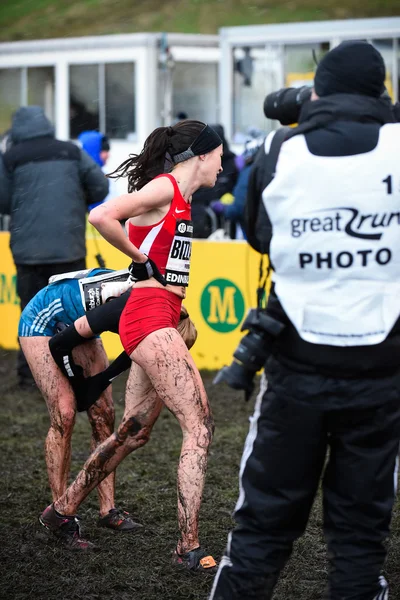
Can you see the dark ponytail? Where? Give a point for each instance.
(155, 157)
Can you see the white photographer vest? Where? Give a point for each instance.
(335, 247)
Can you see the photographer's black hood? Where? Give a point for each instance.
(343, 107)
(353, 67)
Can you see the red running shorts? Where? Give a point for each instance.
(148, 309)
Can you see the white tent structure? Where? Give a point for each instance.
(259, 59)
(126, 85)
(123, 85)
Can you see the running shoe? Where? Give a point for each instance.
(65, 528)
(119, 520)
(195, 561)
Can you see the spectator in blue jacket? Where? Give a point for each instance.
(45, 186)
(234, 212)
(97, 145)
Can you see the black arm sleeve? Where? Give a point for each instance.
(103, 318)
(61, 345)
(92, 387)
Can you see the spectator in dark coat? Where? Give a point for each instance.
(45, 186)
(226, 181)
(234, 212)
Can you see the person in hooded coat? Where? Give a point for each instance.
(46, 186)
(328, 411)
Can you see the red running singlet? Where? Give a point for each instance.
(168, 242)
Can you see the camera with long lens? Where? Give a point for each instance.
(252, 351)
(285, 104)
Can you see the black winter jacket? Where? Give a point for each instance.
(46, 185)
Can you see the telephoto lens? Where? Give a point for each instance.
(252, 352)
(249, 357)
(285, 104)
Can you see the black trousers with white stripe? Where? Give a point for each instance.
(305, 427)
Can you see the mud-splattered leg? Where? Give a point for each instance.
(142, 408)
(61, 405)
(60, 402)
(92, 357)
(171, 370)
(173, 378)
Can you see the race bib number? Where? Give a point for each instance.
(178, 264)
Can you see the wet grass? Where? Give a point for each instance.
(39, 19)
(132, 567)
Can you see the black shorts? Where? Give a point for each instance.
(106, 317)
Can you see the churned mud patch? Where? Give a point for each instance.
(133, 566)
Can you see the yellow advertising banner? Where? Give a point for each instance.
(223, 282)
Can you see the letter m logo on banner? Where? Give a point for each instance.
(8, 289)
(222, 305)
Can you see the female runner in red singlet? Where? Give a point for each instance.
(174, 163)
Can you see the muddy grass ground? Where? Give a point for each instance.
(133, 567)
